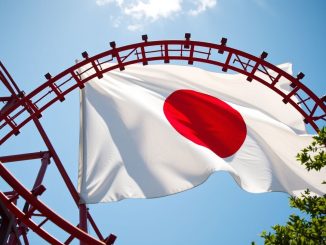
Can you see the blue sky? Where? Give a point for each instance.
(47, 36)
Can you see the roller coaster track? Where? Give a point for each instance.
(21, 108)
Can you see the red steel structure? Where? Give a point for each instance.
(20, 108)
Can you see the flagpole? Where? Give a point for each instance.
(83, 219)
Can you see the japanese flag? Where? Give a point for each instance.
(156, 130)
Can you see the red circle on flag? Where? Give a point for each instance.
(206, 121)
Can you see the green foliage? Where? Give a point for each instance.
(314, 156)
(312, 205)
(310, 229)
(298, 231)
(301, 230)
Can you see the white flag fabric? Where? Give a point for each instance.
(156, 130)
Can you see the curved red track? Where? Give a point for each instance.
(21, 109)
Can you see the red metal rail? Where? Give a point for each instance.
(57, 87)
(21, 109)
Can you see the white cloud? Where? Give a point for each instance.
(135, 27)
(115, 21)
(105, 2)
(135, 14)
(153, 9)
(202, 6)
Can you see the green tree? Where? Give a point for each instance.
(310, 227)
